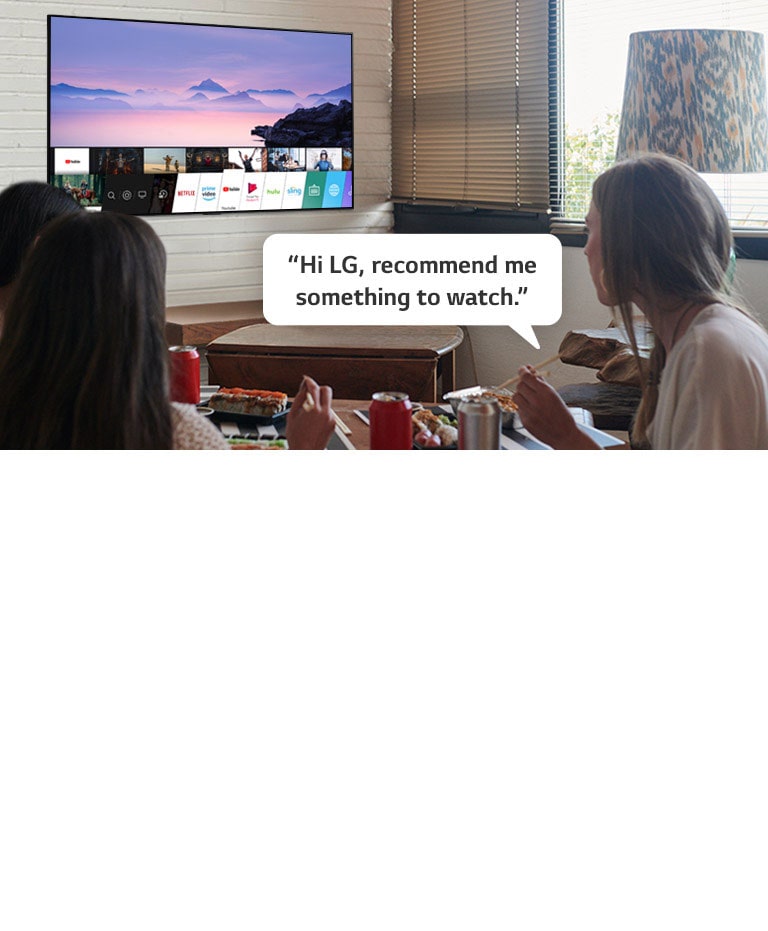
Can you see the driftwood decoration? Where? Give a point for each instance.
(606, 350)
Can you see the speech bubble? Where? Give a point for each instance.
(358, 279)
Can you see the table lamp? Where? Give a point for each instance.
(699, 95)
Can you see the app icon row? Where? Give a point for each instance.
(210, 192)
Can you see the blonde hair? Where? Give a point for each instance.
(665, 235)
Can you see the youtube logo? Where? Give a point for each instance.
(231, 188)
(66, 161)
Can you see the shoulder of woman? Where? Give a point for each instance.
(723, 339)
(193, 431)
(719, 323)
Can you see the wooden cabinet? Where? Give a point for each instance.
(354, 361)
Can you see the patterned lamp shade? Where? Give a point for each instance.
(699, 95)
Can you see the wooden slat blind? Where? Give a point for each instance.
(470, 107)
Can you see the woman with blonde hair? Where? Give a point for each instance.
(658, 239)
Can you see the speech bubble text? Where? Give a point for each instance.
(357, 279)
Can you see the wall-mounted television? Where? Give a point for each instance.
(150, 117)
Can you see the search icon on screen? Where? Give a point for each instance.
(111, 195)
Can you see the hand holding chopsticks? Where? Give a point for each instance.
(512, 381)
(309, 404)
(311, 419)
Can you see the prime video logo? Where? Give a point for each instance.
(208, 193)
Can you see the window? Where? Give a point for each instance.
(515, 103)
(595, 44)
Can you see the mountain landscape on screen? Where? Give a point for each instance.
(200, 84)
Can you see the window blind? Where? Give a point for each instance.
(470, 102)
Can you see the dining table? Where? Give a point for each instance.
(352, 431)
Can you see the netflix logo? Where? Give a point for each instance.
(185, 199)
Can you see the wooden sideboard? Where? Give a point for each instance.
(198, 324)
(354, 361)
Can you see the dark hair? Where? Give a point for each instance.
(25, 208)
(83, 358)
(666, 235)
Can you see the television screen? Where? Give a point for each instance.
(178, 118)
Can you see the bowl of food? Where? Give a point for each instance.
(434, 431)
(502, 396)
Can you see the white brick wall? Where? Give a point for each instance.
(215, 257)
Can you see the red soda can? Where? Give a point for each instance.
(185, 374)
(390, 416)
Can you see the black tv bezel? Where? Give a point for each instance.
(272, 211)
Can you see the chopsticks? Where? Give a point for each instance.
(512, 381)
(341, 425)
(309, 404)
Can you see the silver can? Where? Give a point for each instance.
(479, 424)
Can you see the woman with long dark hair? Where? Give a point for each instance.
(25, 208)
(658, 239)
(83, 357)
